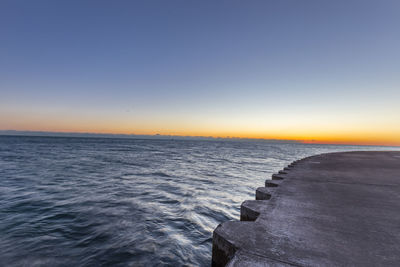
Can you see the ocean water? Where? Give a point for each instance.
(128, 202)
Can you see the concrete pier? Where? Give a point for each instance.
(336, 209)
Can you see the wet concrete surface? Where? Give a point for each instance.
(336, 209)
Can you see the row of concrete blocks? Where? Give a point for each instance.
(250, 209)
(223, 251)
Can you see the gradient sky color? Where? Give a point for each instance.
(327, 71)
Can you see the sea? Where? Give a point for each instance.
(68, 201)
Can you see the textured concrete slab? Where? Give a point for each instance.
(337, 209)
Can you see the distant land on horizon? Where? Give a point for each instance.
(137, 136)
(163, 137)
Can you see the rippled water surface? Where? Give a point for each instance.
(128, 202)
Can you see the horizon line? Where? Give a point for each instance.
(169, 136)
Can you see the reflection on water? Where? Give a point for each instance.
(92, 201)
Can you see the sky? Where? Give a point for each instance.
(316, 71)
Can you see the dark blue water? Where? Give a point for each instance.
(127, 202)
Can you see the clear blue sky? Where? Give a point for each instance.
(273, 69)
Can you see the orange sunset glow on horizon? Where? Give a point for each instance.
(349, 137)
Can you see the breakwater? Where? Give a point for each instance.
(335, 209)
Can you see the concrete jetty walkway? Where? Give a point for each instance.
(336, 209)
